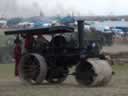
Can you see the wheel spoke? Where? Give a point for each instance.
(32, 68)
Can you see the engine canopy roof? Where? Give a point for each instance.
(37, 31)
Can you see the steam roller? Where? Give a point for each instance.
(51, 60)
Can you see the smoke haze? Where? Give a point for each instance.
(26, 8)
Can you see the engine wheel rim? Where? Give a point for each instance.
(36, 71)
(30, 69)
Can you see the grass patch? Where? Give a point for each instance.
(6, 71)
(120, 67)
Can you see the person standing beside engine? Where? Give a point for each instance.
(17, 54)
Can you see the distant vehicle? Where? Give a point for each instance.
(117, 31)
(41, 24)
(124, 29)
(25, 25)
(107, 29)
(3, 23)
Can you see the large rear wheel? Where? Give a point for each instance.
(33, 68)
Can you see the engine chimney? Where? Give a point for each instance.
(81, 33)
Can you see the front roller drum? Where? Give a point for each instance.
(94, 72)
(32, 69)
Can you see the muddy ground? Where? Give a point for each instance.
(115, 48)
(11, 86)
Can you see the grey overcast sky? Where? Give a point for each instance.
(54, 7)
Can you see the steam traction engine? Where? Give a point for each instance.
(50, 59)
